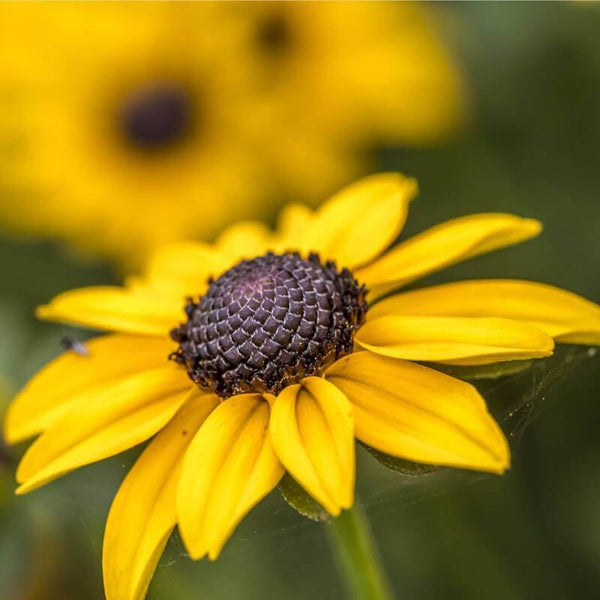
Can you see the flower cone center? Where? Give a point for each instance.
(156, 116)
(268, 322)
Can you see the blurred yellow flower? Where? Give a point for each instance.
(280, 359)
(127, 125)
(347, 76)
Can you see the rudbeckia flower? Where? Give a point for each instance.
(271, 352)
(120, 123)
(124, 126)
(371, 73)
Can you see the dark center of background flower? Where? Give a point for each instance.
(156, 116)
(268, 322)
(274, 35)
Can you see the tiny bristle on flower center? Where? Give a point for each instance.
(268, 322)
(156, 116)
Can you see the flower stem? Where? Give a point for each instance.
(356, 556)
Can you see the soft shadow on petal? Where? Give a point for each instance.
(143, 513)
(565, 316)
(116, 309)
(419, 414)
(454, 340)
(229, 467)
(444, 245)
(117, 419)
(312, 429)
(362, 220)
(73, 379)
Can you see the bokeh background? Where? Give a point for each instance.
(521, 136)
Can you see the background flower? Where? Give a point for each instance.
(127, 125)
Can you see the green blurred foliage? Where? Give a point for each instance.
(532, 149)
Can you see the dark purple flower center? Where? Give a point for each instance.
(274, 35)
(268, 322)
(156, 116)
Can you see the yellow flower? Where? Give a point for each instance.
(280, 359)
(344, 76)
(127, 125)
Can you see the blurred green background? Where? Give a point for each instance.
(531, 149)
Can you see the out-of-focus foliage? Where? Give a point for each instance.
(534, 70)
(125, 125)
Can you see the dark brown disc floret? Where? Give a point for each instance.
(268, 322)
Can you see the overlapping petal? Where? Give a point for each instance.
(185, 267)
(416, 413)
(444, 245)
(454, 340)
(113, 421)
(73, 379)
(245, 240)
(312, 429)
(229, 466)
(362, 220)
(292, 225)
(143, 513)
(116, 309)
(565, 316)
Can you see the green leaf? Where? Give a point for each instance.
(294, 494)
(400, 465)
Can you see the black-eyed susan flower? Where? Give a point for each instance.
(121, 123)
(270, 352)
(127, 125)
(371, 73)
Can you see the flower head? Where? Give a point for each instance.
(269, 352)
(126, 121)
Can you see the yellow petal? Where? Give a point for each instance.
(565, 316)
(72, 379)
(143, 513)
(362, 220)
(416, 413)
(117, 419)
(185, 267)
(115, 308)
(228, 468)
(244, 240)
(445, 245)
(454, 340)
(312, 429)
(292, 224)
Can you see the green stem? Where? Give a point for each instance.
(356, 556)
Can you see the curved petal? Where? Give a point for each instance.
(454, 340)
(312, 429)
(246, 239)
(444, 245)
(419, 414)
(565, 316)
(143, 513)
(362, 220)
(121, 417)
(72, 379)
(228, 468)
(185, 267)
(117, 309)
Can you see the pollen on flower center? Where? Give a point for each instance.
(268, 322)
(156, 116)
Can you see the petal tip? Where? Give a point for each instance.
(534, 226)
(44, 311)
